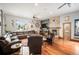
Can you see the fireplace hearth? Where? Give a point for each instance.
(55, 30)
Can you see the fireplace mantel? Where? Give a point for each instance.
(54, 27)
(54, 30)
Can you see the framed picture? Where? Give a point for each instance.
(76, 27)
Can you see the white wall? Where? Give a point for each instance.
(73, 16)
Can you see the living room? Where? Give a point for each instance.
(21, 22)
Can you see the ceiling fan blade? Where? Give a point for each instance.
(62, 5)
(69, 4)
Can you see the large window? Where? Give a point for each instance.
(22, 25)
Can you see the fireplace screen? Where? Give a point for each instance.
(54, 31)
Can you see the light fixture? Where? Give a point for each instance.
(69, 5)
(36, 4)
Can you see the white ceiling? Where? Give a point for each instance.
(42, 10)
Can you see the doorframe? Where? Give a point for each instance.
(70, 29)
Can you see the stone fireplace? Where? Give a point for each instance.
(55, 30)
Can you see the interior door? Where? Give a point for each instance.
(67, 31)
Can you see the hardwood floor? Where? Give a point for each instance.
(51, 50)
(61, 47)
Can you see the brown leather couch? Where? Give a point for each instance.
(5, 47)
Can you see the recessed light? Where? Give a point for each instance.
(36, 4)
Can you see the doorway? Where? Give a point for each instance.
(67, 31)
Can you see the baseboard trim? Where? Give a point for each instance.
(75, 40)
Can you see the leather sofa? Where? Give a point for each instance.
(5, 47)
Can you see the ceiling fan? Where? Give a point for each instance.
(68, 4)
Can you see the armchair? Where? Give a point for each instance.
(50, 38)
(35, 44)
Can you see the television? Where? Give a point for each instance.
(44, 26)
